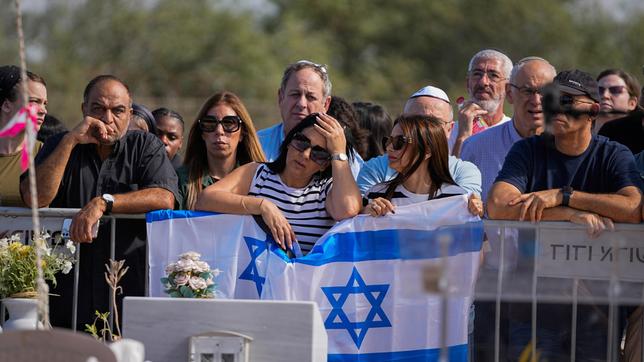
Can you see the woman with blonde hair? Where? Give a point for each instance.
(222, 138)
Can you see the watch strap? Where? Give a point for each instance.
(567, 193)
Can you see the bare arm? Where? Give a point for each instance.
(622, 206)
(230, 195)
(134, 202)
(50, 172)
(344, 200)
(502, 193)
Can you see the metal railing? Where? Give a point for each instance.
(548, 262)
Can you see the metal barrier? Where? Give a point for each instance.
(548, 262)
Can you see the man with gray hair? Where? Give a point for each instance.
(487, 77)
(305, 89)
(487, 149)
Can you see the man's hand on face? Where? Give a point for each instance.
(81, 230)
(466, 116)
(90, 130)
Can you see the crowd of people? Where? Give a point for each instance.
(570, 151)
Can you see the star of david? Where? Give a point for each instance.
(337, 296)
(255, 248)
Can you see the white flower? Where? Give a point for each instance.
(70, 246)
(172, 267)
(184, 265)
(190, 255)
(14, 237)
(215, 272)
(4, 243)
(201, 266)
(181, 279)
(67, 267)
(197, 283)
(209, 281)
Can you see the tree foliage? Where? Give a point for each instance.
(177, 53)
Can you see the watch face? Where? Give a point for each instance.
(108, 197)
(340, 156)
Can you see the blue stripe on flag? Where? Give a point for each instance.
(160, 215)
(455, 353)
(395, 244)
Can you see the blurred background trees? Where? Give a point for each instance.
(177, 53)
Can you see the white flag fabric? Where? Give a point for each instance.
(366, 274)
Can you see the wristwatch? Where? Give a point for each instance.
(339, 157)
(109, 202)
(567, 193)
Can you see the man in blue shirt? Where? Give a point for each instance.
(568, 174)
(430, 101)
(305, 89)
(487, 150)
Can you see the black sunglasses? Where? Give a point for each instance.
(397, 142)
(318, 154)
(614, 90)
(230, 124)
(566, 100)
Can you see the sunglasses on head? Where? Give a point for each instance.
(230, 124)
(614, 90)
(397, 142)
(318, 154)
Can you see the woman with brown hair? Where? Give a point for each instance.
(222, 138)
(417, 150)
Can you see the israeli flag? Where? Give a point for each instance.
(369, 276)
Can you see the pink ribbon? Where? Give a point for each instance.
(16, 125)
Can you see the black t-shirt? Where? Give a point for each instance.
(627, 131)
(534, 164)
(138, 161)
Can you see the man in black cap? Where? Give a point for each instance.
(567, 174)
(595, 181)
(11, 102)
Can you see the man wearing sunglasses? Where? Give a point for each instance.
(569, 174)
(427, 101)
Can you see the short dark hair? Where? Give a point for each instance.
(632, 85)
(100, 79)
(167, 112)
(279, 164)
(344, 113)
(376, 121)
(319, 69)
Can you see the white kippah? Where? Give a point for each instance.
(431, 91)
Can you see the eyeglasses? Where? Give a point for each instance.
(528, 91)
(614, 90)
(493, 76)
(397, 142)
(230, 124)
(318, 154)
(566, 100)
(320, 67)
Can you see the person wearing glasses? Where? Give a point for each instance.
(619, 92)
(302, 193)
(222, 138)
(488, 149)
(422, 167)
(487, 76)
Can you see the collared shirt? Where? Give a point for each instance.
(138, 161)
(487, 150)
(271, 139)
(377, 170)
(452, 137)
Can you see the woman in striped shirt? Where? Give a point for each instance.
(302, 193)
(417, 150)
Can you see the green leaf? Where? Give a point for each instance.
(165, 281)
(186, 291)
(175, 294)
(205, 275)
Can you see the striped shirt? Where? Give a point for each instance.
(304, 208)
(404, 197)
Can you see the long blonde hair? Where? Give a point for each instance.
(196, 158)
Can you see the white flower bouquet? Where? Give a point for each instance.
(190, 277)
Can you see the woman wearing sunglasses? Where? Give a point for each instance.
(222, 138)
(302, 193)
(417, 150)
